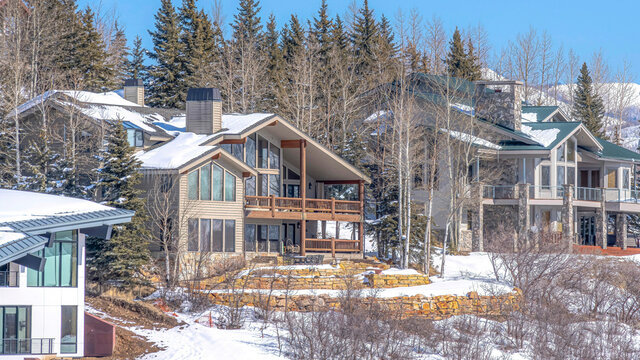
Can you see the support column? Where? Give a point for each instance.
(524, 215)
(303, 195)
(361, 223)
(601, 223)
(477, 218)
(567, 217)
(621, 230)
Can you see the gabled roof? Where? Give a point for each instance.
(616, 152)
(28, 216)
(538, 113)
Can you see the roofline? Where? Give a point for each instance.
(76, 224)
(580, 126)
(28, 250)
(218, 150)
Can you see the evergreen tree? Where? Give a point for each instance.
(275, 64)
(364, 37)
(246, 25)
(321, 34)
(135, 68)
(461, 63)
(91, 56)
(118, 56)
(122, 257)
(198, 40)
(168, 86)
(292, 38)
(587, 104)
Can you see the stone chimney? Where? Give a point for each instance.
(134, 91)
(499, 102)
(204, 110)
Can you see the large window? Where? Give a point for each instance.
(229, 235)
(61, 263)
(15, 330)
(571, 150)
(274, 185)
(560, 153)
(211, 235)
(625, 178)
(545, 176)
(274, 157)
(250, 153)
(250, 186)
(263, 185)
(192, 180)
(264, 238)
(560, 175)
(211, 182)
(69, 330)
(237, 150)
(571, 175)
(263, 153)
(229, 187)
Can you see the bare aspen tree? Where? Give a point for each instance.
(559, 67)
(623, 96)
(524, 54)
(545, 66)
(478, 37)
(573, 68)
(436, 44)
(601, 75)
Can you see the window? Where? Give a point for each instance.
(15, 330)
(237, 150)
(625, 178)
(263, 185)
(263, 238)
(251, 151)
(263, 153)
(571, 175)
(192, 180)
(274, 238)
(217, 236)
(571, 150)
(229, 235)
(274, 185)
(250, 186)
(545, 176)
(229, 187)
(227, 148)
(192, 243)
(612, 178)
(249, 237)
(135, 138)
(560, 176)
(166, 183)
(69, 330)
(61, 263)
(205, 182)
(292, 175)
(274, 157)
(217, 182)
(205, 235)
(560, 153)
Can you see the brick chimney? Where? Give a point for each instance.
(204, 110)
(134, 91)
(499, 102)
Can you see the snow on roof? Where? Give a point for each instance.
(544, 137)
(175, 153)
(466, 109)
(8, 235)
(377, 115)
(26, 205)
(238, 123)
(113, 113)
(106, 98)
(529, 117)
(472, 139)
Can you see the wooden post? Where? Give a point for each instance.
(273, 205)
(333, 208)
(361, 223)
(303, 195)
(333, 247)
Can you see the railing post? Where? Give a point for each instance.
(333, 247)
(333, 208)
(273, 205)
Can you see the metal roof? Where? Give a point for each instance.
(133, 82)
(542, 112)
(130, 125)
(68, 222)
(613, 151)
(18, 248)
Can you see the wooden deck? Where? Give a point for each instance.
(609, 251)
(272, 207)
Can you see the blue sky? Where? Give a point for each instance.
(586, 26)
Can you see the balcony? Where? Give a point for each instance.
(272, 207)
(32, 346)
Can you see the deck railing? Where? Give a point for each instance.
(332, 245)
(622, 195)
(499, 192)
(9, 278)
(544, 192)
(32, 346)
(588, 194)
(275, 204)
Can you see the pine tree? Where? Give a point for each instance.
(246, 25)
(135, 67)
(198, 40)
(168, 87)
(321, 34)
(587, 104)
(90, 55)
(275, 64)
(122, 257)
(292, 38)
(364, 37)
(118, 56)
(461, 63)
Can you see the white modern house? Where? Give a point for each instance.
(42, 271)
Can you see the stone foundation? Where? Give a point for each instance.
(392, 281)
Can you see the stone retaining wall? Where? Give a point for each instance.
(437, 307)
(392, 281)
